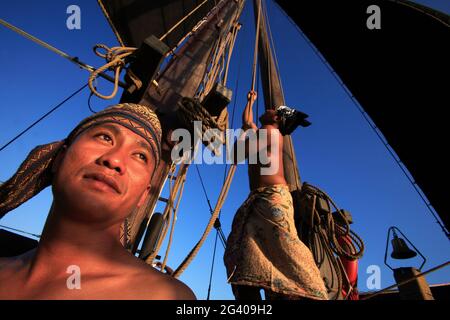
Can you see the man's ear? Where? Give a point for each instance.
(59, 158)
(277, 118)
(143, 197)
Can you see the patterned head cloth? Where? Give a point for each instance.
(34, 174)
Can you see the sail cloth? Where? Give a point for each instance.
(395, 73)
(135, 20)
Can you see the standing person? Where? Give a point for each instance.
(263, 249)
(99, 175)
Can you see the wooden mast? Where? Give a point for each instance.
(181, 78)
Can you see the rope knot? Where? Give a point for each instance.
(115, 61)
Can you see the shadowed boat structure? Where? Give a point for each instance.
(396, 73)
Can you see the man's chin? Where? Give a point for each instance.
(91, 205)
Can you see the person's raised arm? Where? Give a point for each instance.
(240, 154)
(247, 115)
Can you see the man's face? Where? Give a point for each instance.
(269, 117)
(104, 174)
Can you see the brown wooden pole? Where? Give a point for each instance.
(181, 78)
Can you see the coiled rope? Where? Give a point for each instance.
(330, 235)
(332, 230)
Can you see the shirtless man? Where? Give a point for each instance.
(263, 250)
(271, 148)
(99, 174)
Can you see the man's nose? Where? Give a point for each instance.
(113, 160)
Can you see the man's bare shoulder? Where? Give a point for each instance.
(155, 285)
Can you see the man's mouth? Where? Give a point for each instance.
(105, 179)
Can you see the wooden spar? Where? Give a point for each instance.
(273, 97)
(181, 78)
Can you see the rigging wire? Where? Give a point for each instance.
(258, 84)
(217, 223)
(373, 127)
(74, 60)
(212, 266)
(43, 117)
(25, 232)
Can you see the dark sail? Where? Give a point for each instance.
(395, 73)
(136, 20)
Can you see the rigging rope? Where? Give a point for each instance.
(236, 28)
(182, 20)
(255, 53)
(115, 58)
(43, 44)
(43, 117)
(258, 75)
(74, 60)
(372, 126)
(220, 202)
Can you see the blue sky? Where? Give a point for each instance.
(339, 153)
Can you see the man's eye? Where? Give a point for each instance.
(143, 157)
(105, 137)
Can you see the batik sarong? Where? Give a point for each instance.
(263, 248)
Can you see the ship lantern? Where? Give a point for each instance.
(411, 285)
(400, 249)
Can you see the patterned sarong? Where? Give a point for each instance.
(264, 250)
